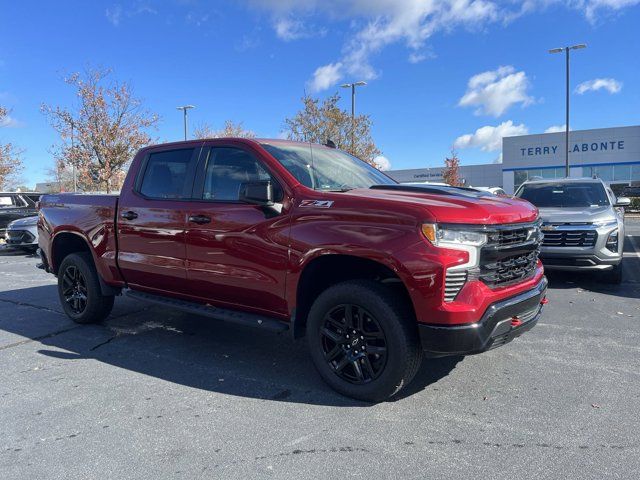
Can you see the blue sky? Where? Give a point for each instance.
(439, 73)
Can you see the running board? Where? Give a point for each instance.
(231, 316)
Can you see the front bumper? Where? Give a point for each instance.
(501, 322)
(579, 261)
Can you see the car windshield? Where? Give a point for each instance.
(326, 169)
(574, 194)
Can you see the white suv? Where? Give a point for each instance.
(582, 226)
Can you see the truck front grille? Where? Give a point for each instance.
(454, 281)
(570, 238)
(511, 255)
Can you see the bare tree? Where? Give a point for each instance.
(10, 159)
(230, 129)
(106, 128)
(319, 122)
(451, 173)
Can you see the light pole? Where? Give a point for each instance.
(566, 136)
(184, 108)
(353, 86)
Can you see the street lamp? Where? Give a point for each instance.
(566, 138)
(353, 86)
(184, 108)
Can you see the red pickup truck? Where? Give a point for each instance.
(302, 237)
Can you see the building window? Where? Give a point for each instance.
(521, 176)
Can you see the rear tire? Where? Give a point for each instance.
(79, 290)
(383, 324)
(614, 276)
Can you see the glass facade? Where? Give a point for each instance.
(521, 176)
(617, 173)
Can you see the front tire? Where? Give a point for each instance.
(79, 290)
(614, 276)
(363, 340)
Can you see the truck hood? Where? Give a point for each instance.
(577, 215)
(454, 208)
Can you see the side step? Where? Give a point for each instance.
(232, 316)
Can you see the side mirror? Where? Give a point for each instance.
(623, 202)
(257, 193)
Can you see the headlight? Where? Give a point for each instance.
(448, 237)
(605, 223)
(612, 241)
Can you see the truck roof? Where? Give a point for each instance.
(254, 141)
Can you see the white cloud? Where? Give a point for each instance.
(489, 138)
(556, 128)
(382, 162)
(114, 15)
(495, 91)
(10, 122)
(609, 84)
(379, 23)
(591, 8)
(376, 24)
(326, 77)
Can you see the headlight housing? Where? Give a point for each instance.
(448, 237)
(612, 241)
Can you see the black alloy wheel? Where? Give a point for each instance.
(74, 289)
(363, 339)
(354, 344)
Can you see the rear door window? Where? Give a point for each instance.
(169, 174)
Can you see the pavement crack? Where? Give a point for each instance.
(25, 304)
(41, 337)
(108, 340)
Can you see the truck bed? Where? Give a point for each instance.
(89, 216)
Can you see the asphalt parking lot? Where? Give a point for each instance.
(156, 394)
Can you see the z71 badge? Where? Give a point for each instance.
(316, 203)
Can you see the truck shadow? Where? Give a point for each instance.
(191, 351)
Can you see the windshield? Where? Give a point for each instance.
(544, 195)
(326, 168)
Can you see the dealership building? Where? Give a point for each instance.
(612, 154)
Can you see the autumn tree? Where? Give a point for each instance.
(451, 172)
(101, 133)
(319, 122)
(230, 129)
(10, 158)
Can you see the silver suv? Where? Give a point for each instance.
(583, 225)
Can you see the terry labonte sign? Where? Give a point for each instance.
(577, 147)
(599, 146)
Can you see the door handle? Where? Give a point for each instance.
(199, 219)
(129, 215)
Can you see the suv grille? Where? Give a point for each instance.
(511, 254)
(570, 238)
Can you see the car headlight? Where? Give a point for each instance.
(612, 241)
(605, 223)
(448, 237)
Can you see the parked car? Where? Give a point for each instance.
(582, 224)
(14, 206)
(494, 190)
(23, 234)
(294, 236)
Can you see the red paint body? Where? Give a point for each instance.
(250, 261)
